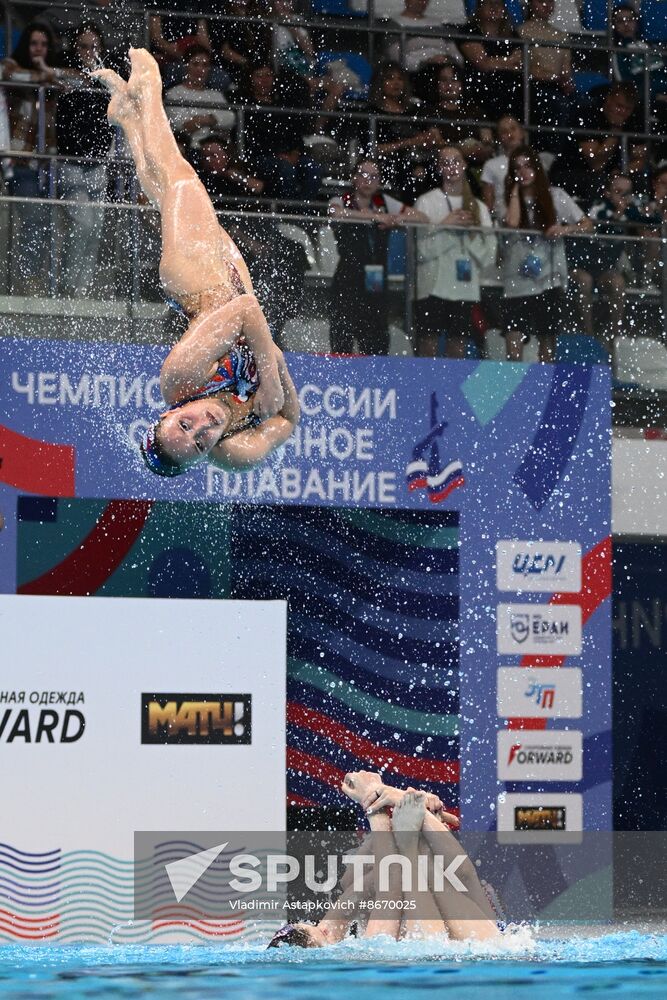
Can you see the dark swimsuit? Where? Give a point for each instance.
(237, 371)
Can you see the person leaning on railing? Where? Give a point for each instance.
(359, 304)
(33, 64)
(82, 131)
(450, 261)
(493, 63)
(587, 162)
(416, 50)
(549, 66)
(401, 144)
(441, 88)
(534, 267)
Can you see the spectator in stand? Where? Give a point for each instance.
(534, 266)
(640, 170)
(82, 130)
(420, 49)
(400, 144)
(450, 260)
(121, 24)
(493, 63)
(359, 295)
(292, 46)
(263, 128)
(240, 44)
(192, 106)
(612, 216)
(511, 134)
(549, 68)
(586, 164)
(289, 173)
(655, 216)
(171, 37)
(5, 175)
(441, 90)
(221, 172)
(636, 54)
(33, 61)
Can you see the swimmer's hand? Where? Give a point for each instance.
(269, 398)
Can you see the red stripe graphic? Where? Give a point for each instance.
(34, 466)
(297, 760)
(408, 767)
(101, 552)
(300, 800)
(203, 926)
(443, 494)
(29, 928)
(595, 588)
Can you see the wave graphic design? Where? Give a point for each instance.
(93, 899)
(373, 646)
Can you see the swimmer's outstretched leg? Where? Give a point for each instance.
(194, 245)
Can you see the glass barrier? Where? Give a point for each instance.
(351, 287)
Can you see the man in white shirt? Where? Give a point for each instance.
(420, 49)
(450, 260)
(192, 106)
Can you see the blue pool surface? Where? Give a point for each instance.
(616, 965)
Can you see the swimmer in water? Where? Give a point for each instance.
(230, 398)
(445, 914)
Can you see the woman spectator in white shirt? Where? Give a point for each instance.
(449, 260)
(534, 265)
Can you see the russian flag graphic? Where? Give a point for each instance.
(438, 479)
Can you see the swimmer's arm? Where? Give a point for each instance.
(250, 447)
(208, 339)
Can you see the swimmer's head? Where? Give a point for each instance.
(184, 435)
(299, 936)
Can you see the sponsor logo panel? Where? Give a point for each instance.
(539, 817)
(543, 693)
(538, 566)
(552, 630)
(188, 719)
(548, 755)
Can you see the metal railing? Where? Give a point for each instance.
(386, 30)
(122, 243)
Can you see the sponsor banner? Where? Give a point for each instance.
(85, 729)
(550, 630)
(538, 817)
(540, 693)
(541, 567)
(499, 451)
(188, 719)
(550, 755)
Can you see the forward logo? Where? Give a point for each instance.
(550, 755)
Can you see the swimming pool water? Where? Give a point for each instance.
(615, 964)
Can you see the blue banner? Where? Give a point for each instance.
(510, 461)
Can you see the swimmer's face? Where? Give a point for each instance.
(188, 433)
(317, 937)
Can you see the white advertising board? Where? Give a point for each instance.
(90, 778)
